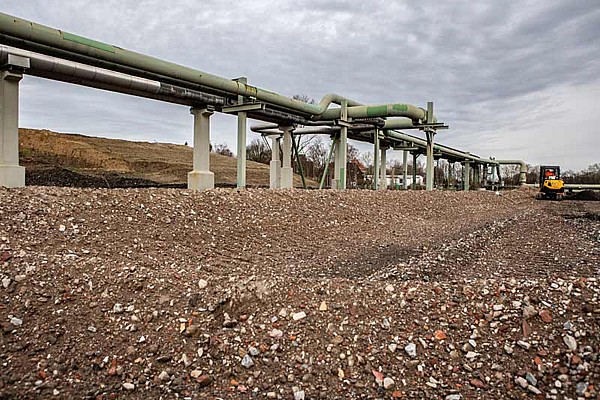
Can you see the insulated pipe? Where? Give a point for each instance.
(381, 110)
(522, 168)
(68, 71)
(50, 41)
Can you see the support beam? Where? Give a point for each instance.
(404, 169)
(430, 133)
(466, 175)
(241, 141)
(383, 169)
(201, 178)
(376, 165)
(275, 165)
(287, 174)
(11, 174)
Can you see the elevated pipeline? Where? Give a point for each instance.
(29, 35)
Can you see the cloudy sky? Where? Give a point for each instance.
(513, 79)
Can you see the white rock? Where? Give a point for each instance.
(19, 278)
(323, 306)
(524, 344)
(6, 282)
(453, 397)
(195, 373)
(471, 355)
(411, 349)
(521, 382)
(202, 283)
(498, 307)
(16, 321)
(570, 342)
(299, 394)
(388, 383)
(247, 361)
(128, 386)
(389, 288)
(118, 308)
(62, 228)
(298, 316)
(164, 376)
(253, 351)
(533, 389)
(276, 333)
(392, 347)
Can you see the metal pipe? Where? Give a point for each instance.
(522, 168)
(32, 36)
(582, 186)
(71, 72)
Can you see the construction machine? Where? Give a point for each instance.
(551, 186)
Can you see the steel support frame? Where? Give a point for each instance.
(275, 164)
(12, 175)
(376, 165)
(287, 174)
(241, 141)
(430, 133)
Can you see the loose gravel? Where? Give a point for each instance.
(161, 293)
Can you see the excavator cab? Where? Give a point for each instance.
(551, 186)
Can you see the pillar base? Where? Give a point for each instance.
(287, 178)
(275, 174)
(12, 176)
(201, 180)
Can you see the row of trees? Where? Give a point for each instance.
(510, 174)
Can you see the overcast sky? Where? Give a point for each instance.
(513, 79)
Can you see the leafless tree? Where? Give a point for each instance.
(258, 150)
(222, 149)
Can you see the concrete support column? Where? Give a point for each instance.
(430, 141)
(404, 169)
(11, 174)
(376, 164)
(343, 153)
(485, 175)
(383, 169)
(287, 174)
(466, 175)
(275, 165)
(414, 178)
(201, 178)
(336, 163)
(241, 142)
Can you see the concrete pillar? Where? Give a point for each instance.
(201, 178)
(404, 169)
(241, 141)
(383, 169)
(430, 133)
(343, 153)
(287, 174)
(414, 179)
(466, 175)
(11, 174)
(485, 175)
(376, 164)
(336, 163)
(275, 165)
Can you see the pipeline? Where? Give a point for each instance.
(522, 169)
(355, 131)
(53, 42)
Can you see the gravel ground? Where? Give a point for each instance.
(161, 293)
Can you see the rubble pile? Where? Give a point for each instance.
(159, 293)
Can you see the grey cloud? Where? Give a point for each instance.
(491, 67)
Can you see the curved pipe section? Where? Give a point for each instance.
(522, 168)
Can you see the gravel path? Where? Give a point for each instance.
(158, 293)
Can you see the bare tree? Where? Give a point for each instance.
(367, 160)
(304, 98)
(258, 150)
(222, 149)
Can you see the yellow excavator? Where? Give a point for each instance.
(551, 186)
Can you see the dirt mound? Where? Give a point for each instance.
(85, 161)
(588, 195)
(161, 293)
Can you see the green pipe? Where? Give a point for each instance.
(32, 36)
(326, 168)
(382, 110)
(295, 148)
